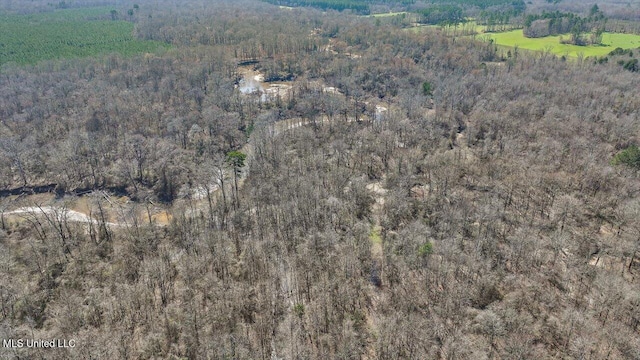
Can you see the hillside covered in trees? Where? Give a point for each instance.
(277, 183)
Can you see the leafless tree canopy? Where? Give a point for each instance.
(370, 219)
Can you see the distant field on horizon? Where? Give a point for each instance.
(513, 38)
(467, 27)
(69, 33)
(610, 41)
(388, 14)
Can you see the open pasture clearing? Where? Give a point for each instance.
(513, 38)
(27, 39)
(610, 41)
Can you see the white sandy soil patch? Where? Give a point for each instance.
(59, 214)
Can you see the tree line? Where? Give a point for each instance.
(556, 23)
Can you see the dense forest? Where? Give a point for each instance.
(364, 7)
(622, 10)
(442, 15)
(278, 183)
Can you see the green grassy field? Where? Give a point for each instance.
(72, 33)
(610, 41)
(510, 39)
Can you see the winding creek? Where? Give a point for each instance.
(251, 84)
